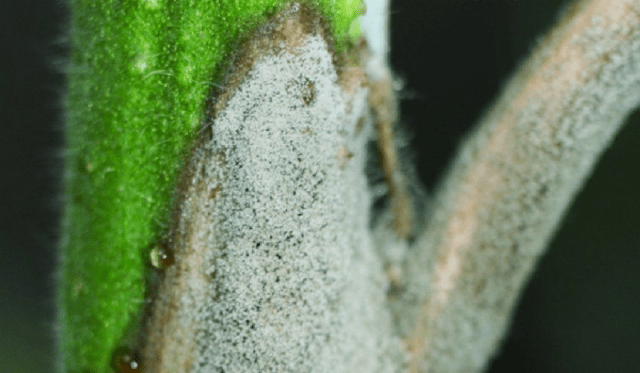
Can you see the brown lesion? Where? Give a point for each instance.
(285, 31)
(165, 342)
(384, 105)
(349, 66)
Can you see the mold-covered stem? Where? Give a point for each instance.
(513, 179)
(139, 73)
(275, 270)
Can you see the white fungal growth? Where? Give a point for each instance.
(275, 269)
(375, 26)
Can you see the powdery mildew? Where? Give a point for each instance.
(510, 185)
(275, 269)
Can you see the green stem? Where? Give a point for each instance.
(139, 76)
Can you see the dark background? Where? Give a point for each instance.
(579, 313)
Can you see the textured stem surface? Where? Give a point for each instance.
(508, 188)
(275, 269)
(139, 76)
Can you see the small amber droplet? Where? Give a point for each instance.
(124, 360)
(161, 257)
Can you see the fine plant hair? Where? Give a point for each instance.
(509, 186)
(274, 268)
(285, 252)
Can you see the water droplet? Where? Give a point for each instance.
(161, 256)
(124, 360)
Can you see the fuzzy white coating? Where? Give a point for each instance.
(299, 287)
(276, 270)
(375, 27)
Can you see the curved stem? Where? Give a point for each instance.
(513, 179)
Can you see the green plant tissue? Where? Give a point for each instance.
(139, 75)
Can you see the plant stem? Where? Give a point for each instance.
(140, 73)
(513, 179)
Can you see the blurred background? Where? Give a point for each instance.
(579, 313)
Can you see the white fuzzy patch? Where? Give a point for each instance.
(280, 273)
